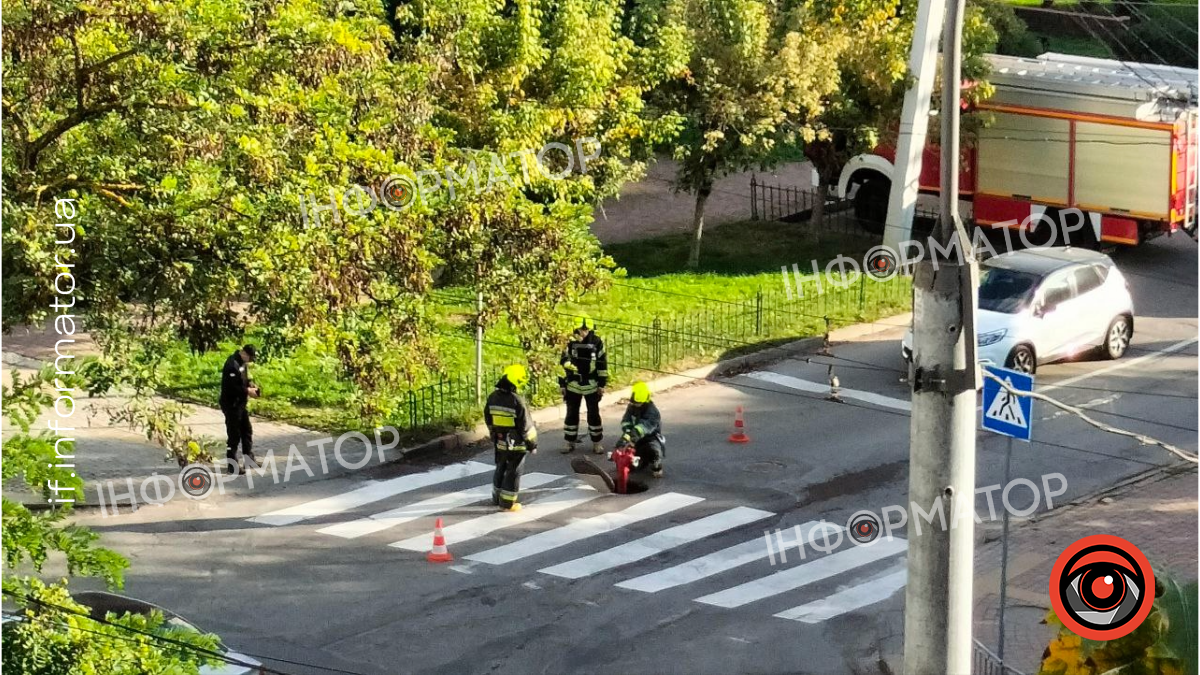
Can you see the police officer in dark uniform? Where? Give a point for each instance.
(510, 425)
(236, 390)
(585, 375)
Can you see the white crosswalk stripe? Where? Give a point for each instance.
(439, 504)
(582, 529)
(478, 527)
(720, 561)
(714, 573)
(372, 492)
(657, 543)
(808, 573)
(849, 599)
(804, 385)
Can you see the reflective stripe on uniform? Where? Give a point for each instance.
(577, 388)
(503, 416)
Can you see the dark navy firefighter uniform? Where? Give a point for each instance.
(585, 366)
(513, 435)
(642, 426)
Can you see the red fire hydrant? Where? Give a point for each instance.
(625, 457)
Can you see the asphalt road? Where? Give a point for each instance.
(323, 587)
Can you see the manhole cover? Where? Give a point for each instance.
(765, 466)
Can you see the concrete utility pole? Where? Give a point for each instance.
(937, 610)
(914, 124)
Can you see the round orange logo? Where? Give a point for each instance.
(1102, 587)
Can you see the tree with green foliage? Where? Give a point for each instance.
(513, 78)
(865, 110)
(192, 131)
(758, 74)
(52, 635)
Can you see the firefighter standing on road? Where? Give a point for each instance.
(510, 425)
(642, 427)
(236, 391)
(585, 375)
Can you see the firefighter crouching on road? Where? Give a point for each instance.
(585, 368)
(642, 427)
(510, 425)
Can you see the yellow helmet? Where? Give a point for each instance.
(584, 321)
(641, 392)
(517, 375)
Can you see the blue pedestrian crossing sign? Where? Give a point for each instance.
(1003, 411)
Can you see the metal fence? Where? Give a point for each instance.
(792, 204)
(780, 202)
(985, 662)
(712, 329)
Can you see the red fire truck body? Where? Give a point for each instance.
(1117, 141)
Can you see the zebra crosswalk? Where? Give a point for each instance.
(396, 513)
(582, 529)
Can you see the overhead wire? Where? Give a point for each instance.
(1128, 64)
(742, 385)
(1078, 412)
(1190, 50)
(1189, 397)
(1145, 440)
(1144, 43)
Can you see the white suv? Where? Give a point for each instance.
(1046, 304)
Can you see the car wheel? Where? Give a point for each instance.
(1117, 337)
(1022, 360)
(870, 204)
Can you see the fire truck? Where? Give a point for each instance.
(1115, 140)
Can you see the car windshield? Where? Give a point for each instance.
(1007, 291)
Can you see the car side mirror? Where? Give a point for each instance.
(1040, 308)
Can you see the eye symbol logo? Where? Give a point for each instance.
(1102, 587)
(864, 527)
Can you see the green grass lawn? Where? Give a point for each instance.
(734, 302)
(1074, 44)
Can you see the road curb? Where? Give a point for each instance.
(710, 372)
(613, 400)
(713, 371)
(1092, 498)
(1148, 476)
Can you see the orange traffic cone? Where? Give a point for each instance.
(439, 553)
(739, 429)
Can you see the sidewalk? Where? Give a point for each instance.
(650, 208)
(106, 451)
(1157, 513)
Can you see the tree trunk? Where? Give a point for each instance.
(698, 226)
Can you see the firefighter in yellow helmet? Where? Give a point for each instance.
(510, 425)
(642, 427)
(585, 375)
